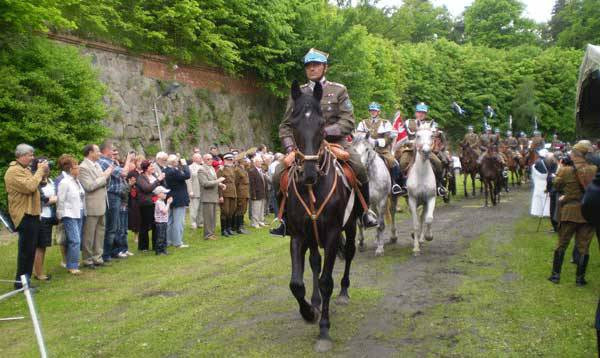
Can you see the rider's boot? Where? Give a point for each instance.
(398, 185)
(280, 231)
(559, 256)
(581, 267)
(368, 218)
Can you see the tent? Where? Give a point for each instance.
(587, 115)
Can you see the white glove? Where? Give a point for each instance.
(381, 142)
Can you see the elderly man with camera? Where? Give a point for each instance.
(24, 206)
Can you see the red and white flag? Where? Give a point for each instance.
(400, 129)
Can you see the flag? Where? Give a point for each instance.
(400, 129)
(510, 122)
(535, 127)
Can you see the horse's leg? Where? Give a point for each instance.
(315, 265)
(412, 203)
(485, 186)
(344, 298)
(429, 218)
(473, 183)
(326, 286)
(422, 222)
(380, 228)
(466, 177)
(297, 251)
(361, 238)
(393, 205)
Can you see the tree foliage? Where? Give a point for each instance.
(575, 23)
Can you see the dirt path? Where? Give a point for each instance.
(413, 286)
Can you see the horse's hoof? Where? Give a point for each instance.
(429, 238)
(323, 345)
(393, 239)
(311, 314)
(342, 300)
(379, 251)
(361, 247)
(416, 253)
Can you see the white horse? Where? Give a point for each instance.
(421, 187)
(380, 186)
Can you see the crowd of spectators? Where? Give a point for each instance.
(89, 208)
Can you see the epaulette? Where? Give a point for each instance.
(336, 84)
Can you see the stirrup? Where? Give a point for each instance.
(278, 231)
(397, 189)
(442, 191)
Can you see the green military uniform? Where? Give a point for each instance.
(242, 187)
(229, 195)
(512, 147)
(571, 182)
(339, 123)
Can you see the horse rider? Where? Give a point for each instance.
(471, 139)
(523, 141)
(571, 180)
(489, 143)
(537, 142)
(512, 145)
(407, 152)
(381, 135)
(339, 124)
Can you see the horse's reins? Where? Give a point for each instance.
(310, 207)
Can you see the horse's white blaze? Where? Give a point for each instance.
(421, 187)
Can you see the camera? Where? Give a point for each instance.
(37, 161)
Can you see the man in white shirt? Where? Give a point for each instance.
(194, 188)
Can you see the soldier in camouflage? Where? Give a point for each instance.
(338, 114)
(381, 135)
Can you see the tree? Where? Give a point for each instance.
(577, 24)
(523, 106)
(499, 24)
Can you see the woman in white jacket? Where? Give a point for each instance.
(70, 209)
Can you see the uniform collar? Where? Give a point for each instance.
(323, 81)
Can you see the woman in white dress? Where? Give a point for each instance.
(540, 200)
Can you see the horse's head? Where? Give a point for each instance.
(307, 122)
(363, 147)
(424, 140)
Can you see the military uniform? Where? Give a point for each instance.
(407, 151)
(242, 187)
(229, 195)
(339, 123)
(571, 181)
(472, 140)
(379, 128)
(537, 142)
(512, 147)
(524, 143)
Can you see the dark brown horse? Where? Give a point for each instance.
(490, 172)
(514, 166)
(470, 167)
(316, 201)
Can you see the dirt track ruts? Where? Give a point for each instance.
(416, 284)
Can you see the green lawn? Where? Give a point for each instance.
(505, 307)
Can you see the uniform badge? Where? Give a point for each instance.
(348, 104)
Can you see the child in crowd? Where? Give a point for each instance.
(161, 218)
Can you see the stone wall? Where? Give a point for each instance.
(209, 107)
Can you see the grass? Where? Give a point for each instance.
(505, 307)
(223, 298)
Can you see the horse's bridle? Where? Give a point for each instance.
(310, 207)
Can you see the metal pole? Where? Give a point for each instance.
(162, 147)
(34, 318)
(542, 216)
